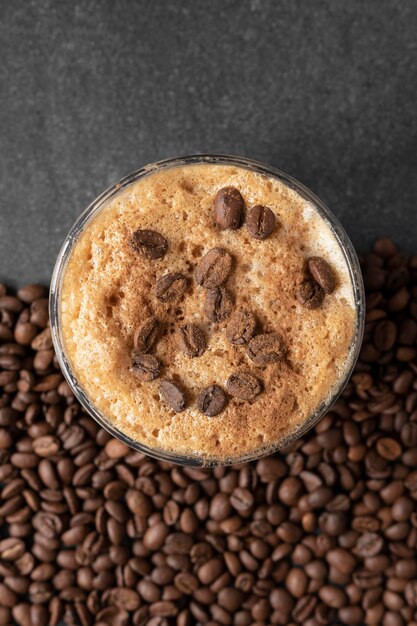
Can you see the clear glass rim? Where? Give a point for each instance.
(92, 210)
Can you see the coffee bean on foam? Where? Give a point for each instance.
(261, 222)
(266, 348)
(147, 335)
(218, 304)
(213, 268)
(145, 367)
(171, 286)
(310, 294)
(228, 208)
(241, 327)
(211, 400)
(149, 243)
(173, 394)
(191, 340)
(322, 273)
(244, 386)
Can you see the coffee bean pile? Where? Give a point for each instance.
(93, 533)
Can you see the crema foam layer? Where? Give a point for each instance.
(108, 290)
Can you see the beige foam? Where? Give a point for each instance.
(108, 290)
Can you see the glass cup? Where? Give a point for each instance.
(97, 205)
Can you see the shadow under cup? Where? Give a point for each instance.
(98, 204)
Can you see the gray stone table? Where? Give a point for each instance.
(90, 90)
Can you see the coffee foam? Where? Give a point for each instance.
(108, 291)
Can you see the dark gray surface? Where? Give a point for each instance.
(324, 89)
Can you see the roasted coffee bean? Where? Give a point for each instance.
(138, 502)
(39, 312)
(74, 536)
(48, 524)
(147, 335)
(149, 591)
(411, 593)
(388, 448)
(21, 614)
(42, 572)
(11, 549)
(241, 327)
(310, 294)
(366, 579)
(10, 303)
(214, 268)
(191, 340)
(173, 395)
(228, 208)
(171, 512)
(218, 304)
(209, 571)
(200, 553)
(178, 543)
(72, 436)
(38, 615)
(369, 544)
(186, 582)
(29, 293)
(8, 597)
(322, 273)
(261, 222)
(290, 490)
(145, 367)
(155, 536)
(267, 348)
(244, 386)
(385, 334)
(116, 449)
(10, 362)
(43, 341)
(6, 440)
(123, 598)
(171, 287)
(332, 596)
(296, 582)
(342, 560)
(149, 244)
(25, 563)
(46, 446)
(241, 499)
(25, 332)
(211, 401)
